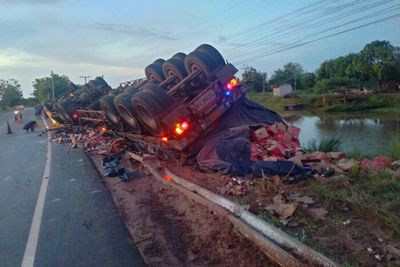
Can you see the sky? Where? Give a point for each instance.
(119, 38)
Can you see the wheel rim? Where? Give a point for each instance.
(195, 67)
(111, 116)
(146, 117)
(128, 117)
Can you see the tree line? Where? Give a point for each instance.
(11, 92)
(375, 67)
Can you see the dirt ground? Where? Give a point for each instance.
(352, 234)
(171, 230)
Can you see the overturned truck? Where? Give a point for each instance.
(179, 99)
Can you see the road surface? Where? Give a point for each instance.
(54, 209)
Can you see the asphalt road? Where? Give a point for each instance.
(79, 224)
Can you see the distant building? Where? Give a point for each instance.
(282, 89)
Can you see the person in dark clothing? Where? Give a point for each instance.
(30, 126)
(38, 111)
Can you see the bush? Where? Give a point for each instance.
(394, 147)
(325, 145)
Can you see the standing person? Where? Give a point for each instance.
(38, 111)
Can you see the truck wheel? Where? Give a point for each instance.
(130, 90)
(148, 110)
(100, 82)
(125, 109)
(111, 113)
(154, 73)
(175, 67)
(159, 94)
(68, 107)
(213, 53)
(200, 61)
(181, 56)
(159, 61)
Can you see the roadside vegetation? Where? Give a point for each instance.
(375, 69)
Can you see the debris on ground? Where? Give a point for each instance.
(270, 175)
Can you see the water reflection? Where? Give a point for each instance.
(366, 132)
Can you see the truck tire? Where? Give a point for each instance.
(130, 90)
(59, 111)
(175, 67)
(181, 56)
(213, 53)
(159, 61)
(159, 94)
(200, 61)
(148, 110)
(154, 73)
(68, 107)
(111, 113)
(123, 104)
(100, 82)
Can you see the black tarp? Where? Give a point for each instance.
(226, 147)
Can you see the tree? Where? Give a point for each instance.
(43, 87)
(290, 73)
(307, 80)
(380, 62)
(10, 93)
(254, 79)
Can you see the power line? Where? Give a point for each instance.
(264, 40)
(289, 23)
(253, 58)
(367, 16)
(298, 13)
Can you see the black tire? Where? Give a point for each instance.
(154, 73)
(68, 107)
(148, 111)
(59, 112)
(213, 53)
(160, 95)
(174, 67)
(181, 56)
(100, 82)
(130, 90)
(111, 113)
(114, 92)
(123, 104)
(202, 61)
(159, 61)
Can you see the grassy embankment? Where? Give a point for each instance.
(389, 102)
(363, 210)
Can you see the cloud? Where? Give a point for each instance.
(133, 31)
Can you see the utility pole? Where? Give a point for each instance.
(85, 77)
(52, 83)
(295, 81)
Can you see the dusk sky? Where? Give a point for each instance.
(119, 38)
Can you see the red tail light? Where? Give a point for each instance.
(102, 129)
(164, 139)
(75, 116)
(180, 128)
(232, 83)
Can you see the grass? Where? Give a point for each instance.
(325, 145)
(371, 197)
(394, 147)
(388, 102)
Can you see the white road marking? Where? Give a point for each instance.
(7, 178)
(96, 191)
(31, 246)
(55, 200)
(72, 180)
